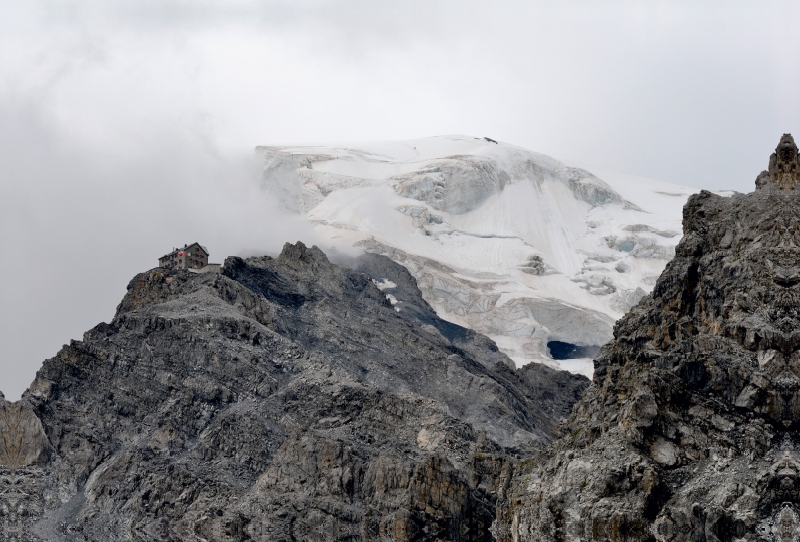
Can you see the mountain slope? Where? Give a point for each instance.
(690, 431)
(510, 243)
(285, 399)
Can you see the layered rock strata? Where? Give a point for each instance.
(284, 399)
(691, 429)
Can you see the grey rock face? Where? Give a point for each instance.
(691, 429)
(284, 399)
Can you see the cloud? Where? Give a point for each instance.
(128, 126)
(653, 89)
(78, 221)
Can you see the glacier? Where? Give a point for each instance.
(514, 244)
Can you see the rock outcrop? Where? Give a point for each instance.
(691, 429)
(284, 399)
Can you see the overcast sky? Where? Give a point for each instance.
(127, 127)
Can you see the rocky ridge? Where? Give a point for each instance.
(285, 399)
(691, 429)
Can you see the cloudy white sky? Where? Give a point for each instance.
(127, 127)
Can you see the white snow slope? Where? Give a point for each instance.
(508, 242)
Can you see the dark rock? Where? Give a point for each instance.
(691, 429)
(284, 399)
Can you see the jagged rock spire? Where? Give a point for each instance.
(784, 166)
(691, 429)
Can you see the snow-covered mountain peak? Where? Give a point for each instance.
(451, 173)
(512, 243)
